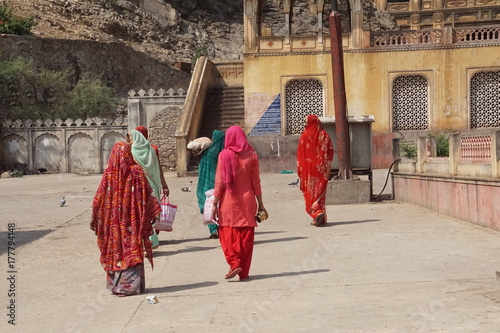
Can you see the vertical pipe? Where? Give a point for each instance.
(342, 127)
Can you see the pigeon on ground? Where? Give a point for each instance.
(295, 183)
(186, 189)
(62, 202)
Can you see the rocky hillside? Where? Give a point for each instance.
(174, 30)
(171, 31)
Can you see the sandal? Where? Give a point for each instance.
(232, 273)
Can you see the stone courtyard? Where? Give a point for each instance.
(378, 267)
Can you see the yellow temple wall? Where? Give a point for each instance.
(369, 77)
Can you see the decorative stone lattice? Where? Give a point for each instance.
(302, 98)
(476, 149)
(485, 100)
(410, 103)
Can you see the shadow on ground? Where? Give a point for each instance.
(270, 276)
(181, 287)
(333, 224)
(286, 239)
(21, 238)
(186, 250)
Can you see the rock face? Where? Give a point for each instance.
(164, 31)
(170, 31)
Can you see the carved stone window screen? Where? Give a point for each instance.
(485, 99)
(410, 103)
(303, 97)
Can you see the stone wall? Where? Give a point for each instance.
(79, 146)
(158, 111)
(121, 66)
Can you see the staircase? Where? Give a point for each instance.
(224, 108)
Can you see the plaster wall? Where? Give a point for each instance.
(75, 149)
(369, 77)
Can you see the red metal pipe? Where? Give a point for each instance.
(339, 98)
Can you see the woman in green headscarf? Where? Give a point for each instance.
(206, 174)
(146, 157)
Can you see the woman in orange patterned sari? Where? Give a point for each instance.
(122, 211)
(314, 158)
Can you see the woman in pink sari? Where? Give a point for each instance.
(314, 159)
(237, 186)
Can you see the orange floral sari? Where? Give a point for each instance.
(314, 159)
(122, 211)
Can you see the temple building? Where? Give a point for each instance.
(416, 66)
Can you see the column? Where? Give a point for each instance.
(455, 153)
(288, 24)
(319, 7)
(134, 113)
(250, 25)
(357, 25)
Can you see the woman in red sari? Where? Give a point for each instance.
(122, 211)
(237, 185)
(314, 159)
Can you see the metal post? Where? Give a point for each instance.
(342, 127)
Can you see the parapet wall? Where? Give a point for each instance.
(464, 185)
(76, 146)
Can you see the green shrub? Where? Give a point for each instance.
(12, 24)
(27, 92)
(91, 98)
(442, 145)
(17, 173)
(199, 52)
(409, 151)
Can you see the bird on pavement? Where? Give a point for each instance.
(295, 183)
(62, 202)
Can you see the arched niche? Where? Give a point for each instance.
(108, 141)
(81, 153)
(48, 153)
(14, 152)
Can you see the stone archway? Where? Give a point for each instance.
(14, 152)
(48, 153)
(81, 157)
(108, 141)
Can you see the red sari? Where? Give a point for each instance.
(314, 159)
(122, 211)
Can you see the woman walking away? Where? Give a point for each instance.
(144, 131)
(206, 172)
(237, 184)
(314, 159)
(145, 156)
(122, 211)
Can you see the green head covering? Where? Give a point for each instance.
(146, 157)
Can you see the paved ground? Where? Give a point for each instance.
(379, 267)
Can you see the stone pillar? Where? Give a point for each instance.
(415, 21)
(319, 7)
(65, 149)
(357, 25)
(31, 150)
(134, 113)
(250, 25)
(495, 151)
(421, 153)
(287, 10)
(97, 151)
(455, 153)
